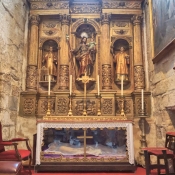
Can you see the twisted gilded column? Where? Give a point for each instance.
(139, 74)
(64, 53)
(105, 52)
(31, 83)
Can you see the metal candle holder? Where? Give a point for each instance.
(48, 107)
(99, 105)
(70, 106)
(122, 113)
(143, 142)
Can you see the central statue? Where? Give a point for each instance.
(84, 55)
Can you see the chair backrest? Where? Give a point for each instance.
(1, 147)
(170, 141)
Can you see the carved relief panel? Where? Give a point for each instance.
(91, 106)
(28, 103)
(108, 104)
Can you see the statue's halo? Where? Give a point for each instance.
(84, 34)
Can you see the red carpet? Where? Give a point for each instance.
(139, 171)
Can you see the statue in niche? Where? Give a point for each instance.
(50, 63)
(121, 59)
(85, 55)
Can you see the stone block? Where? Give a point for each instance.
(13, 103)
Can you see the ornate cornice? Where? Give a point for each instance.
(49, 5)
(85, 8)
(122, 5)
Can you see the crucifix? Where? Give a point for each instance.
(85, 79)
(85, 137)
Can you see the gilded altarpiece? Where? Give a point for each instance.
(85, 68)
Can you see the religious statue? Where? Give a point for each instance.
(83, 55)
(50, 62)
(92, 49)
(122, 61)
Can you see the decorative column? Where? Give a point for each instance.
(33, 54)
(139, 74)
(64, 53)
(105, 52)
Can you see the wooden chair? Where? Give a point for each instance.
(14, 154)
(164, 153)
(169, 160)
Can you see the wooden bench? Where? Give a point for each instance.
(10, 167)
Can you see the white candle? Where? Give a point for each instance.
(142, 100)
(121, 85)
(49, 85)
(70, 84)
(98, 85)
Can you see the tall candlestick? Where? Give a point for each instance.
(49, 85)
(142, 100)
(121, 85)
(98, 85)
(70, 84)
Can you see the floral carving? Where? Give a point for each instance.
(107, 106)
(106, 76)
(122, 5)
(49, 5)
(62, 105)
(121, 32)
(91, 107)
(139, 79)
(84, 8)
(29, 106)
(50, 32)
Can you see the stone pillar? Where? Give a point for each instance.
(105, 52)
(139, 75)
(33, 54)
(64, 53)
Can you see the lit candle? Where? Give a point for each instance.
(70, 84)
(121, 85)
(98, 85)
(49, 85)
(142, 100)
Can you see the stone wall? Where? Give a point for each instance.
(162, 85)
(13, 61)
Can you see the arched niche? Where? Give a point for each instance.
(49, 48)
(121, 58)
(85, 53)
(85, 21)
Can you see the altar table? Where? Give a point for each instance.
(84, 164)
